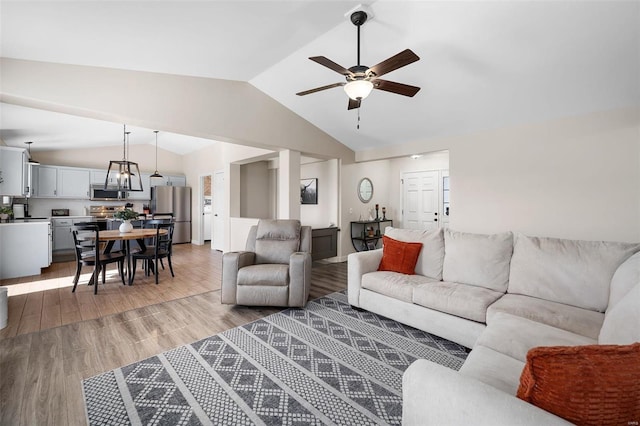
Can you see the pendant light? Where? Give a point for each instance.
(156, 174)
(31, 160)
(124, 170)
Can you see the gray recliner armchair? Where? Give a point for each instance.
(275, 269)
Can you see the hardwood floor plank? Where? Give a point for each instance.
(51, 317)
(14, 360)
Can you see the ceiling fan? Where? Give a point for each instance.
(361, 80)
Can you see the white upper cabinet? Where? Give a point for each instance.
(145, 194)
(64, 182)
(73, 183)
(169, 180)
(46, 181)
(13, 164)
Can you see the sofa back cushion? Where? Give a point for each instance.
(621, 324)
(624, 279)
(577, 273)
(477, 259)
(276, 240)
(432, 254)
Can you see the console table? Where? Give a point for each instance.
(365, 234)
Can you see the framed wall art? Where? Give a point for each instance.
(309, 191)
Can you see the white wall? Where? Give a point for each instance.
(577, 177)
(98, 158)
(326, 212)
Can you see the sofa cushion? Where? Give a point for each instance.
(576, 320)
(393, 284)
(624, 279)
(269, 274)
(399, 256)
(432, 254)
(277, 240)
(514, 336)
(587, 385)
(477, 259)
(621, 324)
(576, 273)
(462, 300)
(493, 368)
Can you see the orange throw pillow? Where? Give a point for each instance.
(398, 256)
(586, 385)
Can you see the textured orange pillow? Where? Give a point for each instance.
(398, 256)
(587, 385)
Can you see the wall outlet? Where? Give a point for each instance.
(350, 210)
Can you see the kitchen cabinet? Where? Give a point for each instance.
(73, 183)
(62, 182)
(46, 181)
(145, 194)
(28, 248)
(167, 180)
(62, 228)
(14, 167)
(99, 176)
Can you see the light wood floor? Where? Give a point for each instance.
(41, 371)
(45, 301)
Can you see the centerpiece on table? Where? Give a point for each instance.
(126, 216)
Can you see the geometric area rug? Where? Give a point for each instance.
(323, 364)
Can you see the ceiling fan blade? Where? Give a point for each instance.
(393, 87)
(317, 89)
(403, 58)
(331, 65)
(353, 103)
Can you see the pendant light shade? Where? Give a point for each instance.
(124, 171)
(156, 174)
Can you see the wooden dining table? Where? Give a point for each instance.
(138, 234)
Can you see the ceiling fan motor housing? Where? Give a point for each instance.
(359, 17)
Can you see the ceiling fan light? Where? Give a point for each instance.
(358, 89)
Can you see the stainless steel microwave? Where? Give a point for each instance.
(100, 193)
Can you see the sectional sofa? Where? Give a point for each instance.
(500, 295)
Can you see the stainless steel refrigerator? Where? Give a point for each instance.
(176, 200)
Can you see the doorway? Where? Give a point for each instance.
(205, 208)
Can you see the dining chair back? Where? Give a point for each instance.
(86, 239)
(160, 248)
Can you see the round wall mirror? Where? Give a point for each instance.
(365, 190)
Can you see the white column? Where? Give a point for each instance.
(289, 185)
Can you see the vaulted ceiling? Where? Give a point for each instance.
(483, 64)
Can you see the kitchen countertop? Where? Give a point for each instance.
(25, 220)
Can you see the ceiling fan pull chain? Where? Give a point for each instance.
(358, 126)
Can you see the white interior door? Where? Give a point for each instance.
(218, 197)
(420, 200)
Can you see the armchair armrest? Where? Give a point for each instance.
(299, 278)
(436, 395)
(231, 263)
(359, 264)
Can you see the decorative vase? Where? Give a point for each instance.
(125, 227)
(4, 216)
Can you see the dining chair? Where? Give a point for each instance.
(160, 248)
(86, 238)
